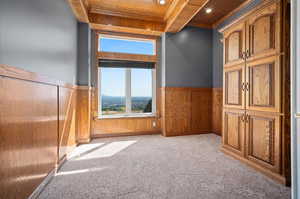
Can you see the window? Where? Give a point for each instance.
(126, 88)
(113, 90)
(141, 91)
(126, 45)
(126, 92)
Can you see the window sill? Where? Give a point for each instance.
(127, 116)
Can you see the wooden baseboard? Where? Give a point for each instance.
(277, 177)
(35, 194)
(83, 141)
(95, 136)
(48, 178)
(217, 133)
(187, 134)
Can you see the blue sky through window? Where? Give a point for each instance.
(141, 82)
(113, 82)
(126, 46)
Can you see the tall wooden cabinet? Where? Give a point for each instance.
(255, 96)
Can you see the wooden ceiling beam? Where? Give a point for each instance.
(126, 25)
(126, 14)
(181, 12)
(199, 25)
(80, 9)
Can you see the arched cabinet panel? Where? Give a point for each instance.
(263, 33)
(234, 43)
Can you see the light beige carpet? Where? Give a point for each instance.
(155, 167)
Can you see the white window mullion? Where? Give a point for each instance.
(128, 91)
(99, 94)
(153, 91)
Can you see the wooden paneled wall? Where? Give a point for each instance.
(37, 129)
(217, 110)
(125, 126)
(188, 111)
(84, 114)
(67, 120)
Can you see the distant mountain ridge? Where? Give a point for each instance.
(120, 100)
(117, 103)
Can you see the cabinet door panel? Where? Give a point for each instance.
(263, 85)
(263, 33)
(263, 140)
(233, 130)
(233, 84)
(234, 45)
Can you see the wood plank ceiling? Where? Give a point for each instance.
(221, 9)
(149, 17)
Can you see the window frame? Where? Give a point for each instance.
(129, 57)
(128, 96)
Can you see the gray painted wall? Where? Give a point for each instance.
(93, 61)
(187, 58)
(159, 63)
(39, 36)
(217, 65)
(83, 54)
(218, 46)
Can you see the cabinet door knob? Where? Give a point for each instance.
(243, 118)
(247, 86)
(243, 55)
(247, 119)
(247, 54)
(243, 86)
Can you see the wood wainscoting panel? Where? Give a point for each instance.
(186, 111)
(177, 111)
(83, 114)
(67, 120)
(201, 110)
(217, 110)
(28, 135)
(126, 126)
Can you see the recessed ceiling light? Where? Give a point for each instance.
(162, 2)
(208, 10)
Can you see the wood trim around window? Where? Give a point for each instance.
(126, 56)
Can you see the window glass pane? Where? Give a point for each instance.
(141, 90)
(113, 91)
(126, 46)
